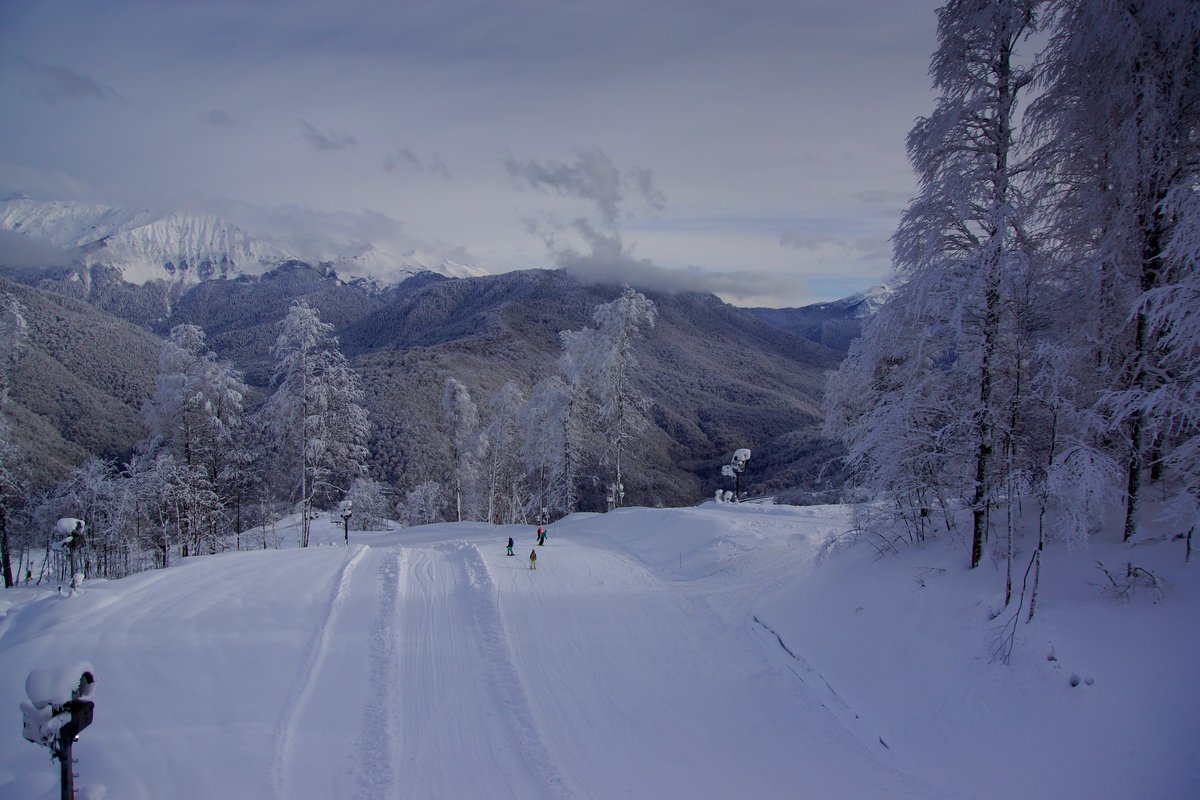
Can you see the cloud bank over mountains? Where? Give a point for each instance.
(706, 144)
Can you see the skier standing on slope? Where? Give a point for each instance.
(533, 559)
(510, 546)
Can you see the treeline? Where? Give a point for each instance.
(568, 445)
(208, 470)
(1045, 344)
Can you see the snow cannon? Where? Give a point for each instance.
(60, 704)
(59, 708)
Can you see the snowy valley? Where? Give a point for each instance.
(932, 541)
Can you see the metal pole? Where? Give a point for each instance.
(66, 778)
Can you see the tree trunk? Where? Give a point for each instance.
(1133, 484)
(1142, 353)
(983, 426)
(5, 555)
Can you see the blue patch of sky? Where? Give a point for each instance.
(768, 225)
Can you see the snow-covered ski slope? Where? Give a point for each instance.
(698, 653)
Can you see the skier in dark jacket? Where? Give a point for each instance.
(533, 559)
(510, 545)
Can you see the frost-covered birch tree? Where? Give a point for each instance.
(460, 417)
(1119, 118)
(503, 473)
(421, 505)
(546, 449)
(195, 415)
(602, 361)
(315, 412)
(931, 367)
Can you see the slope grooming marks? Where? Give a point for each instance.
(654, 653)
(310, 668)
(506, 681)
(374, 748)
(458, 691)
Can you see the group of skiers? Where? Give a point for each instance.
(541, 540)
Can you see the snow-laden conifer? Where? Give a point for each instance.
(195, 415)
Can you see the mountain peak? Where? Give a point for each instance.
(187, 248)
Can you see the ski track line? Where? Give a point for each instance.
(504, 676)
(373, 760)
(302, 688)
(833, 701)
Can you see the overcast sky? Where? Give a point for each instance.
(753, 149)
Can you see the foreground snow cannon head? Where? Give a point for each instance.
(60, 704)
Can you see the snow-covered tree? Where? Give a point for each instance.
(546, 449)
(1118, 116)
(316, 412)
(422, 504)
(602, 361)
(461, 420)
(934, 362)
(90, 493)
(195, 414)
(370, 504)
(500, 447)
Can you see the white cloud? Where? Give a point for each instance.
(638, 116)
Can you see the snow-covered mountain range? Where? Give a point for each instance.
(188, 248)
(859, 306)
(834, 324)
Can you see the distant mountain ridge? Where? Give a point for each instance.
(78, 385)
(717, 378)
(834, 324)
(186, 249)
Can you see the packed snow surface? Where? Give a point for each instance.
(714, 652)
